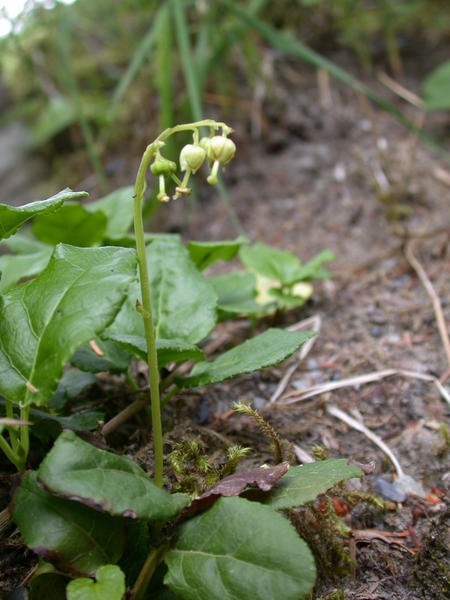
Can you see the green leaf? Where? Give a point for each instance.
(105, 481)
(436, 88)
(13, 268)
(74, 538)
(55, 117)
(114, 360)
(72, 224)
(136, 550)
(109, 585)
(75, 298)
(236, 293)
(286, 301)
(167, 350)
(264, 350)
(129, 240)
(12, 217)
(280, 265)
(118, 209)
(303, 484)
(239, 550)
(312, 269)
(23, 244)
(183, 301)
(205, 254)
(47, 583)
(72, 384)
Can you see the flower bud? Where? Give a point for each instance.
(163, 166)
(192, 157)
(221, 149)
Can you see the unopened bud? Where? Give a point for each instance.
(163, 166)
(192, 157)
(221, 149)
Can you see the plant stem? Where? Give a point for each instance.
(153, 560)
(155, 411)
(12, 456)
(24, 432)
(12, 432)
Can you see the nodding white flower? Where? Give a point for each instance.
(221, 148)
(192, 157)
(163, 166)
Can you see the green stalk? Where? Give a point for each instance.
(24, 432)
(153, 560)
(146, 311)
(11, 455)
(155, 410)
(12, 432)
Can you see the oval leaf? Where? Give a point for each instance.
(436, 88)
(264, 350)
(109, 585)
(118, 208)
(43, 322)
(73, 537)
(205, 254)
(280, 265)
(167, 350)
(303, 484)
(239, 549)
(72, 224)
(12, 217)
(183, 301)
(105, 481)
(16, 267)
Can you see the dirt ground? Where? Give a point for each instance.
(307, 183)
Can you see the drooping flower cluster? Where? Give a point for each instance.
(217, 149)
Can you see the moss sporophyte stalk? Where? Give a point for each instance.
(218, 150)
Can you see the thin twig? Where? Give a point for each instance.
(322, 388)
(437, 307)
(343, 416)
(401, 91)
(315, 323)
(123, 416)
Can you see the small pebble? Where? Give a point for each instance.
(312, 364)
(202, 415)
(259, 402)
(376, 331)
(388, 490)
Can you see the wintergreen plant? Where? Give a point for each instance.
(219, 150)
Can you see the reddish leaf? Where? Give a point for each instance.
(263, 478)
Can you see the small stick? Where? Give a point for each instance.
(401, 91)
(322, 388)
(315, 322)
(343, 416)
(123, 416)
(437, 307)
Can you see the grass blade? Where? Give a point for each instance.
(137, 61)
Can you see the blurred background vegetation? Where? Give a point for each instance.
(85, 85)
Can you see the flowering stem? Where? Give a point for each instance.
(152, 359)
(155, 407)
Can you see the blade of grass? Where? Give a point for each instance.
(74, 92)
(137, 61)
(290, 46)
(194, 94)
(164, 75)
